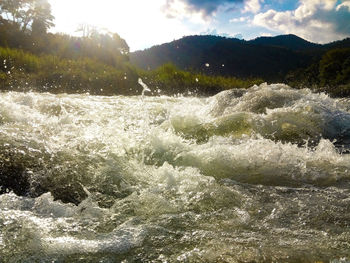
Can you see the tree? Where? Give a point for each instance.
(27, 13)
(42, 17)
(335, 67)
(11, 9)
(103, 45)
(86, 30)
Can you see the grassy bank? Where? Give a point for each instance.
(170, 80)
(24, 71)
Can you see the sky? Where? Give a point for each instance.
(146, 23)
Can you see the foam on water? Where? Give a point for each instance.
(246, 175)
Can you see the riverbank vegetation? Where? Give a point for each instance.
(285, 58)
(24, 71)
(98, 62)
(184, 82)
(330, 74)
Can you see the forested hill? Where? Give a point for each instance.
(292, 42)
(270, 58)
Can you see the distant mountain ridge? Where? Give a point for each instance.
(287, 41)
(270, 58)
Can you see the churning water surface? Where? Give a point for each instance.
(257, 175)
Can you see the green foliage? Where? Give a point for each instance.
(3, 77)
(23, 25)
(227, 57)
(98, 62)
(330, 74)
(23, 71)
(23, 13)
(334, 67)
(304, 77)
(107, 48)
(42, 19)
(276, 59)
(13, 58)
(170, 80)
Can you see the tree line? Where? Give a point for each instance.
(330, 73)
(24, 25)
(98, 62)
(286, 58)
(31, 58)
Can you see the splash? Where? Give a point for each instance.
(247, 175)
(144, 86)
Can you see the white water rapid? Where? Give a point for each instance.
(257, 175)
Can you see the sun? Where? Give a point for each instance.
(101, 13)
(136, 21)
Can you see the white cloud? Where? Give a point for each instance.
(206, 8)
(181, 10)
(252, 6)
(316, 20)
(214, 32)
(240, 19)
(265, 34)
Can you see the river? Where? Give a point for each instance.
(257, 175)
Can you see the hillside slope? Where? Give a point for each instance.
(270, 58)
